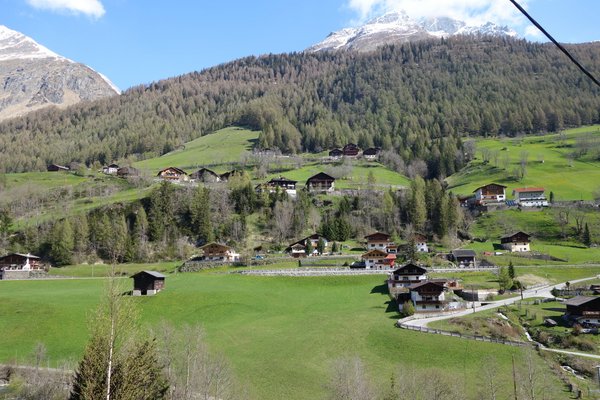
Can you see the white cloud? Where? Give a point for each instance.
(472, 11)
(533, 31)
(91, 8)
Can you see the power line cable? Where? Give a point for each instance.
(560, 46)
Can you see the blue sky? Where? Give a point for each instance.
(140, 41)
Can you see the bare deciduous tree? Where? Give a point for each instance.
(349, 381)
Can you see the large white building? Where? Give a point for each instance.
(530, 197)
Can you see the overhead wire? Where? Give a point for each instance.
(560, 46)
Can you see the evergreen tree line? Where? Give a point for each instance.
(415, 100)
(173, 220)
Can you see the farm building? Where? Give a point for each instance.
(173, 174)
(336, 154)
(206, 175)
(530, 197)
(463, 258)
(320, 182)
(230, 174)
(19, 266)
(490, 193)
(584, 309)
(125, 172)
(371, 153)
(110, 169)
(148, 283)
(56, 168)
(517, 242)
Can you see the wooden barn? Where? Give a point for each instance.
(148, 283)
(517, 242)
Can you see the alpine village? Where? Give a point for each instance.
(392, 218)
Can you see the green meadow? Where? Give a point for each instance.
(548, 165)
(280, 334)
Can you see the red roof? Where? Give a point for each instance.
(525, 190)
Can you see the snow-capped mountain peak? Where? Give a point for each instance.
(15, 45)
(397, 26)
(34, 77)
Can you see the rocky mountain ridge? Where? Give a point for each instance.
(398, 27)
(33, 77)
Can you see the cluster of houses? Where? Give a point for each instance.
(494, 194)
(351, 150)
(319, 183)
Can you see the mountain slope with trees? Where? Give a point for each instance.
(417, 100)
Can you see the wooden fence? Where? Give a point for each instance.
(461, 335)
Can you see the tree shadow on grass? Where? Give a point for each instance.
(380, 289)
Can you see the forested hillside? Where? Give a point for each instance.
(417, 99)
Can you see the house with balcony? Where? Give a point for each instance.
(378, 259)
(380, 241)
(173, 174)
(320, 183)
(492, 193)
(217, 252)
(530, 197)
(280, 184)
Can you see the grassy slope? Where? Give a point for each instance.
(280, 334)
(577, 182)
(223, 146)
(360, 172)
(546, 234)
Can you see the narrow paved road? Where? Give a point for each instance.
(543, 291)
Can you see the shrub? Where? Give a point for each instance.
(408, 308)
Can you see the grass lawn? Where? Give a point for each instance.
(280, 334)
(547, 166)
(206, 150)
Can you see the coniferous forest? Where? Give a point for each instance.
(418, 100)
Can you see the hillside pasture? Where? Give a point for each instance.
(549, 163)
(281, 335)
(221, 147)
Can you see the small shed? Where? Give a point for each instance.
(148, 283)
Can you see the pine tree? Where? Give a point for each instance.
(62, 243)
(511, 270)
(417, 207)
(321, 246)
(587, 238)
(200, 215)
(118, 364)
